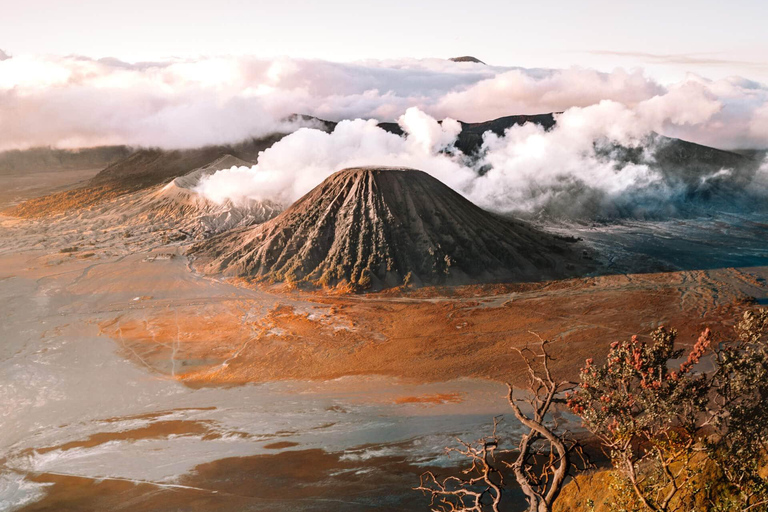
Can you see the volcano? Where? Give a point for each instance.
(178, 203)
(466, 58)
(382, 227)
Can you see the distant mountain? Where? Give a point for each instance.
(147, 167)
(470, 139)
(378, 227)
(701, 176)
(178, 205)
(682, 163)
(467, 58)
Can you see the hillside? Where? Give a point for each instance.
(38, 159)
(178, 205)
(139, 170)
(680, 161)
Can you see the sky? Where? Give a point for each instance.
(667, 38)
(174, 74)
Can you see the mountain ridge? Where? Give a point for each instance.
(142, 168)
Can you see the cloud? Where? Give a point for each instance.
(78, 101)
(532, 170)
(758, 125)
(684, 59)
(577, 170)
(300, 161)
(521, 91)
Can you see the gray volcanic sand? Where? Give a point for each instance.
(87, 424)
(76, 410)
(81, 421)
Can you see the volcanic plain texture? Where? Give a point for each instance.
(384, 227)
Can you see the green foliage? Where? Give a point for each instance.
(325, 280)
(741, 384)
(647, 415)
(365, 281)
(291, 279)
(623, 497)
(681, 439)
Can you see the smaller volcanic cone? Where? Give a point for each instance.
(378, 227)
(179, 203)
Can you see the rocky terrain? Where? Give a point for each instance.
(131, 382)
(383, 227)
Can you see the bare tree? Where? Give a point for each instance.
(544, 453)
(479, 487)
(676, 434)
(539, 463)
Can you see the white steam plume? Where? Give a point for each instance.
(571, 170)
(300, 161)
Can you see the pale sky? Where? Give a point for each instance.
(667, 38)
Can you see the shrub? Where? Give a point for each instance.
(676, 436)
(741, 402)
(647, 415)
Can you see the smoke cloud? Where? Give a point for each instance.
(77, 101)
(577, 170)
(300, 161)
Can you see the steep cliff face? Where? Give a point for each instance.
(377, 227)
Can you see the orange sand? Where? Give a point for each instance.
(421, 336)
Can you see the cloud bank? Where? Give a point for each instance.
(77, 101)
(579, 169)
